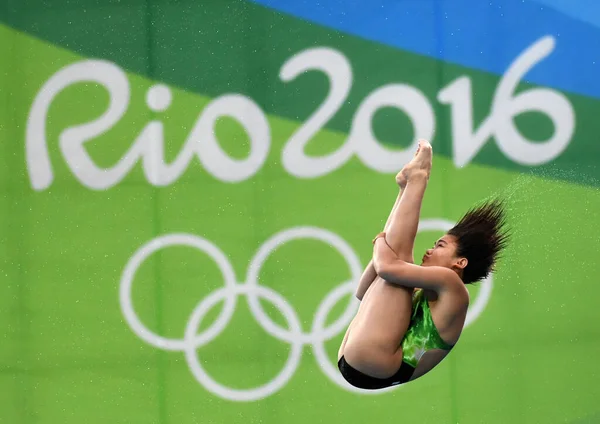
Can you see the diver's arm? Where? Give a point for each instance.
(396, 271)
(367, 278)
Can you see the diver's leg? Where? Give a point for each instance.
(344, 340)
(404, 222)
(402, 228)
(369, 274)
(402, 239)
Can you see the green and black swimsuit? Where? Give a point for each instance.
(421, 336)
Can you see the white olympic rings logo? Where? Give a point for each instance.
(252, 290)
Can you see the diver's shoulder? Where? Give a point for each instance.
(456, 286)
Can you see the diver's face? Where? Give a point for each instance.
(443, 253)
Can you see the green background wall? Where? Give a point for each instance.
(159, 158)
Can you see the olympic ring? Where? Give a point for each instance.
(253, 291)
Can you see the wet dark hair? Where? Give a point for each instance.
(481, 236)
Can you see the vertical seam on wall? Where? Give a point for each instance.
(22, 374)
(161, 355)
(442, 124)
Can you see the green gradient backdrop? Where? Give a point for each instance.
(67, 353)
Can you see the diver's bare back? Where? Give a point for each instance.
(449, 312)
